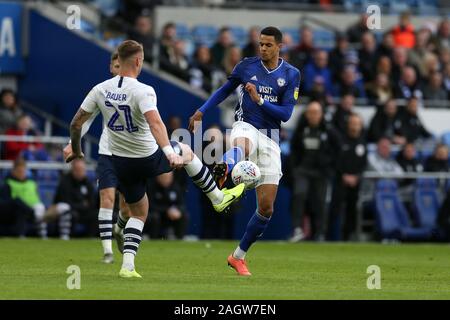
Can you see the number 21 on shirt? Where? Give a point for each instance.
(128, 120)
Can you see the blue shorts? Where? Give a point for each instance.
(106, 173)
(133, 173)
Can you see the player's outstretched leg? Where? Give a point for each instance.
(202, 178)
(255, 228)
(105, 216)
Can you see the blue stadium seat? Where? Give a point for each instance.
(239, 35)
(324, 39)
(427, 7)
(352, 5)
(47, 175)
(446, 138)
(294, 33)
(426, 203)
(400, 6)
(392, 217)
(47, 192)
(115, 42)
(87, 27)
(183, 32)
(204, 34)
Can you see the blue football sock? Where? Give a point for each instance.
(233, 156)
(255, 229)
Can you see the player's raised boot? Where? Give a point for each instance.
(108, 258)
(240, 265)
(220, 173)
(230, 196)
(118, 235)
(125, 273)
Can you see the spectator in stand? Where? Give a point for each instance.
(420, 53)
(351, 163)
(356, 31)
(403, 33)
(318, 92)
(232, 57)
(9, 109)
(313, 151)
(177, 63)
(367, 56)
(442, 38)
(337, 56)
(303, 53)
(20, 202)
(167, 211)
(381, 161)
(379, 91)
(143, 33)
(13, 149)
(167, 44)
(384, 65)
(438, 162)
(407, 159)
(218, 50)
(251, 49)
(77, 194)
(434, 90)
(386, 48)
(399, 63)
(447, 79)
(350, 83)
(319, 67)
(201, 69)
(412, 127)
(386, 124)
(408, 86)
(343, 112)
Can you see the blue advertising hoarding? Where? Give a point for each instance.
(11, 59)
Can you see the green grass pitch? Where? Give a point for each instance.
(36, 269)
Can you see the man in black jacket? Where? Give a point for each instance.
(167, 216)
(77, 192)
(412, 127)
(351, 163)
(314, 147)
(387, 123)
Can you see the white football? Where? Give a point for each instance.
(246, 172)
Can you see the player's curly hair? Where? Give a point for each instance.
(273, 31)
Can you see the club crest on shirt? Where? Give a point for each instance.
(296, 93)
(360, 150)
(281, 82)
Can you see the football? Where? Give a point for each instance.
(247, 172)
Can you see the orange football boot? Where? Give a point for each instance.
(239, 265)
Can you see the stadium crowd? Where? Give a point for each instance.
(329, 145)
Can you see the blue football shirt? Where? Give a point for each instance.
(278, 86)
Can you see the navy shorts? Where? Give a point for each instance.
(133, 173)
(106, 173)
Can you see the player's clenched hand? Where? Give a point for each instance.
(67, 151)
(175, 160)
(196, 117)
(74, 156)
(251, 89)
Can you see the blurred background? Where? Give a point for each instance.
(380, 173)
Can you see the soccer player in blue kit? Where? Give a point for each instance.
(268, 91)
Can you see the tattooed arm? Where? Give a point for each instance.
(75, 133)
